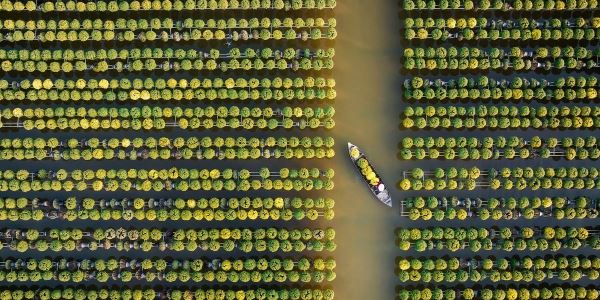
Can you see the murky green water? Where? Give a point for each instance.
(367, 106)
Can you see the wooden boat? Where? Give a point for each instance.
(369, 175)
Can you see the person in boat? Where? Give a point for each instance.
(379, 188)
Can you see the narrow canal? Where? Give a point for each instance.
(367, 108)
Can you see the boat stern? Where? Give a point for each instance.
(388, 202)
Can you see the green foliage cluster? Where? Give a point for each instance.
(501, 292)
(120, 293)
(162, 210)
(510, 208)
(269, 240)
(168, 89)
(522, 29)
(514, 269)
(162, 5)
(165, 59)
(159, 117)
(167, 29)
(163, 148)
(518, 88)
(503, 5)
(514, 59)
(178, 179)
(499, 147)
(502, 117)
(261, 270)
